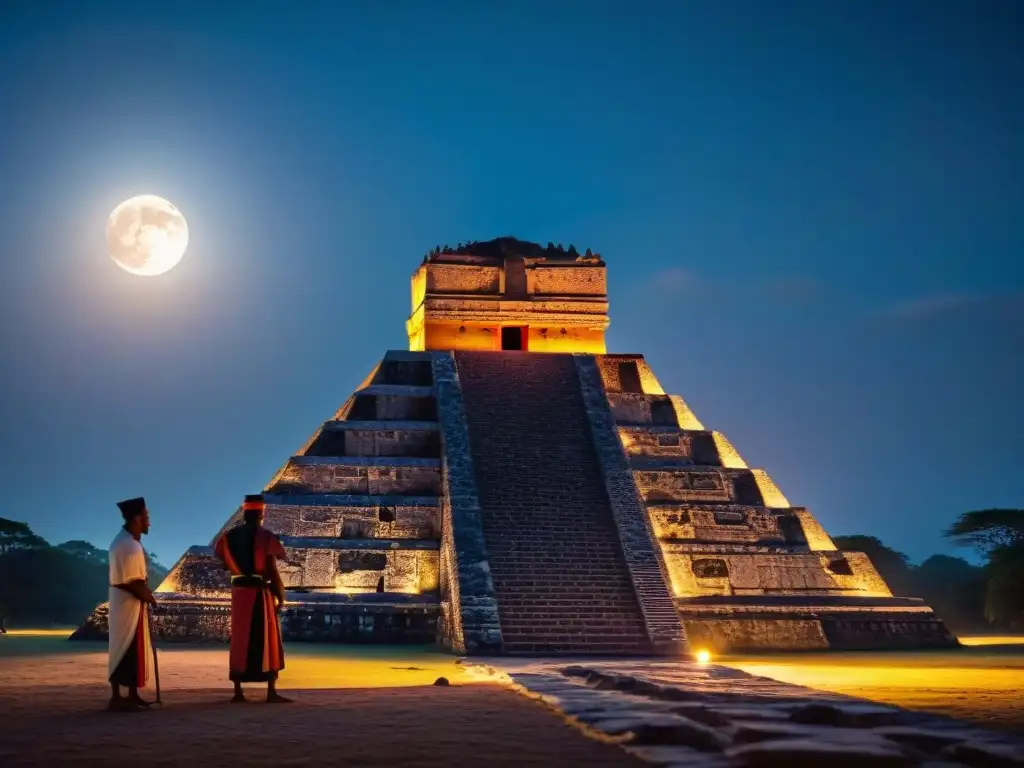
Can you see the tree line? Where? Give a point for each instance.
(969, 598)
(42, 585)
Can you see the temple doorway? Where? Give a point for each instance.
(513, 339)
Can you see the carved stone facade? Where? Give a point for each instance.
(509, 294)
(748, 570)
(358, 510)
(477, 494)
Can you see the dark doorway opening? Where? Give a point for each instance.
(513, 338)
(629, 377)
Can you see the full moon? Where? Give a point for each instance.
(146, 235)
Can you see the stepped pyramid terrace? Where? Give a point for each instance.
(505, 485)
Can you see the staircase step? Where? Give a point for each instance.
(559, 574)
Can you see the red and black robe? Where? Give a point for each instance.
(257, 651)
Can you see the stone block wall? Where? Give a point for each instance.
(727, 531)
(627, 374)
(648, 444)
(784, 572)
(369, 624)
(642, 554)
(405, 404)
(376, 439)
(469, 610)
(198, 572)
(189, 621)
(817, 538)
(462, 278)
(638, 408)
(724, 635)
(566, 280)
(695, 485)
(358, 514)
(304, 476)
(657, 444)
(727, 523)
(351, 569)
(708, 484)
(384, 518)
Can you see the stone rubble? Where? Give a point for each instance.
(683, 714)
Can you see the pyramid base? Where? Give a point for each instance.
(785, 623)
(373, 618)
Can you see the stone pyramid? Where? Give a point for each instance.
(506, 486)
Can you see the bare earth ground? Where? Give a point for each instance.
(358, 707)
(982, 683)
(373, 706)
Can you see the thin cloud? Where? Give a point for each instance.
(940, 305)
(677, 281)
(795, 290)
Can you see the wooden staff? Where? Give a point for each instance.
(156, 664)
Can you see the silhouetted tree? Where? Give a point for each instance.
(988, 529)
(1004, 594)
(955, 589)
(998, 534)
(45, 585)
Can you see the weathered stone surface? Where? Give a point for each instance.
(628, 374)
(469, 616)
(462, 299)
(849, 715)
(707, 508)
(354, 516)
(642, 554)
(749, 717)
(694, 531)
(793, 753)
(981, 754)
(95, 626)
(198, 572)
(392, 476)
(679, 757)
(553, 547)
(665, 729)
(928, 740)
(749, 731)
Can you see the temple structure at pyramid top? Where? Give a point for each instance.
(507, 294)
(506, 485)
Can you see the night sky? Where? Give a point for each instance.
(812, 214)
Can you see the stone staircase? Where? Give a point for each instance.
(560, 579)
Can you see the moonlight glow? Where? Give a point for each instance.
(146, 235)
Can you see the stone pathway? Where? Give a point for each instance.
(685, 714)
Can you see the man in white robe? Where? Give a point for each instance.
(128, 622)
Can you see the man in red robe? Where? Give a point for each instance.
(250, 552)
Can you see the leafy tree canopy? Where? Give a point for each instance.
(988, 529)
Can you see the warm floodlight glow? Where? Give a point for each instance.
(146, 235)
(703, 656)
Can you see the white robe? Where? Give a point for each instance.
(127, 563)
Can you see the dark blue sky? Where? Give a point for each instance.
(812, 213)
